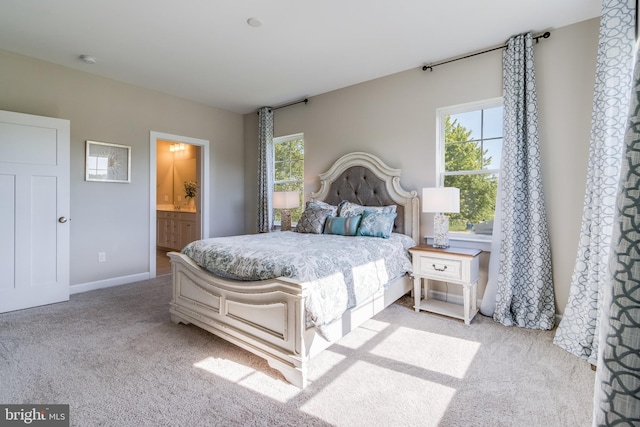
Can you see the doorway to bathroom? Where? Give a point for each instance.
(179, 196)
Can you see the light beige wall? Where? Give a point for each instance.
(394, 117)
(114, 218)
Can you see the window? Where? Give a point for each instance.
(470, 147)
(289, 170)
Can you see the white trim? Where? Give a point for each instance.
(107, 283)
(483, 104)
(286, 138)
(204, 188)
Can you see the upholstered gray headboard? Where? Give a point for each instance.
(364, 179)
(359, 185)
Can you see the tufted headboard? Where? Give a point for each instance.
(364, 179)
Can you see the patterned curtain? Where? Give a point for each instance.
(524, 288)
(265, 169)
(617, 393)
(578, 330)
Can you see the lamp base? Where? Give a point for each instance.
(440, 231)
(285, 220)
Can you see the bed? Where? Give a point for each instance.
(271, 318)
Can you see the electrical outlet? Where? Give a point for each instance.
(102, 257)
(166, 198)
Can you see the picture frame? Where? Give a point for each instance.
(106, 162)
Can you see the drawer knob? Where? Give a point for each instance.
(439, 269)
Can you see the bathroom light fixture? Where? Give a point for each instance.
(177, 147)
(88, 59)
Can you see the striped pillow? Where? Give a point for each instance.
(344, 226)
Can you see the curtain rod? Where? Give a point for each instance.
(306, 100)
(537, 38)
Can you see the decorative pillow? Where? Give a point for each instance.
(317, 204)
(376, 224)
(353, 209)
(344, 226)
(312, 220)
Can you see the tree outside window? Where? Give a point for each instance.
(289, 170)
(471, 147)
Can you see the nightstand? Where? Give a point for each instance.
(459, 266)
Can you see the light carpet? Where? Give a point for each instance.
(116, 358)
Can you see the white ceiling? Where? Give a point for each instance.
(205, 51)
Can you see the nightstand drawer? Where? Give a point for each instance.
(444, 268)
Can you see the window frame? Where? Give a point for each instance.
(440, 169)
(280, 140)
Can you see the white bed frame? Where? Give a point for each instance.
(268, 317)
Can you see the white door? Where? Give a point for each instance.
(34, 210)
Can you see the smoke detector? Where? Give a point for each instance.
(88, 59)
(254, 22)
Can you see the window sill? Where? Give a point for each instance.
(468, 242)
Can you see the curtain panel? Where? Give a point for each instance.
(524, 285)
(617, 394)
(578, 330)
(265, 169)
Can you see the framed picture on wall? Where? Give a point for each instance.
(107, 162)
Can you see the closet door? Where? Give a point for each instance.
(34, 212)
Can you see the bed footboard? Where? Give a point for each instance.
(265, 318)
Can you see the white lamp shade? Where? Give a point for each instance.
(441, 199)
(286, 199)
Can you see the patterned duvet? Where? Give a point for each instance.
(342, 270)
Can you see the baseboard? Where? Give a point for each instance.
(107, 283)
(558, 318)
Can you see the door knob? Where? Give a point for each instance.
(62, 220)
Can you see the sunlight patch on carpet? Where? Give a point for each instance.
(362, 335)
(249, 378)
(429, 351)
(372, 383)
(324, 364)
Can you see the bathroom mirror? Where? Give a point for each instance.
(174, 167)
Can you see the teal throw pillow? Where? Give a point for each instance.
(376, 224)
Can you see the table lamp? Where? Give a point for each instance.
(439, 200)
(285, 200)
